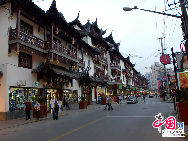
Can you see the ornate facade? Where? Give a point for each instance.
(43, 56)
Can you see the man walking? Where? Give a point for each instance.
(144, 97)
(107, 102)
(27, 109)
(110, 104)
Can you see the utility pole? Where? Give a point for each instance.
(165, 73)
(184, 23)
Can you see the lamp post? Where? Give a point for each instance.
(162, 13)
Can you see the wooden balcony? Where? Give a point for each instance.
(115, 67)
(101, 60)
(28, 40)
(35, 43)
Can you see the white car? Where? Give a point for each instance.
(132, 99)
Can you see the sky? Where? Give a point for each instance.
(137, 31)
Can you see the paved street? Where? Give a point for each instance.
(127, 122)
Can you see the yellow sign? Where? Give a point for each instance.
(101, 91)
(183, 77)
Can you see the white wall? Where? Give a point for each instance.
(5, 23)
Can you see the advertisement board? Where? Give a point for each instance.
(183, 79)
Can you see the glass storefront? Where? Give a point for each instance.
(18, 95)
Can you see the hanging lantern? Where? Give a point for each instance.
(9, 54)
(73, 41)
(11, 17)
(57, 30)
(17, 52)
(51, 60)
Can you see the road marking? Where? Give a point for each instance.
(126, 116)
(76, 129)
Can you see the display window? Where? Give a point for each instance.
(18, 96)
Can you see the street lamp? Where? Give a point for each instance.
(162, 13)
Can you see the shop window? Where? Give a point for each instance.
(25, 27)
(25, 60)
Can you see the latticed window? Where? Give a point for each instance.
(25, 60)
(26, 28)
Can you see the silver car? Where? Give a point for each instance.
(132, 99)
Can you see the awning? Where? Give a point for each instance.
(54, 70)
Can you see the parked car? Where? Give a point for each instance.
(150, 95)
(132, 99)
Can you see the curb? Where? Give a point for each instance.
(29, 122)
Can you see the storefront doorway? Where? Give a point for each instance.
(87, 93)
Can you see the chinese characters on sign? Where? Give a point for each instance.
(172, 129)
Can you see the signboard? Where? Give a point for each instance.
(165, 59)
(100, 91)
(164, 78)
(120, 86)
(21, 83)
(183, 77)
(35, 84)
(172, 79)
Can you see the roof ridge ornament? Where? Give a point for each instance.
(78, 15)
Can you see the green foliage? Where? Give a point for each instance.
(82, 98)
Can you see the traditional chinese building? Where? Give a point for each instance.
(43, 57)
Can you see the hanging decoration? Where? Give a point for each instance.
(57, 30)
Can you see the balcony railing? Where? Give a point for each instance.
(29, 39)
(100, 60)
(80, 61)
(113, 66)
(39, 43)
(62, 49)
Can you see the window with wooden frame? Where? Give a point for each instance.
(25, 60)
(26, 28)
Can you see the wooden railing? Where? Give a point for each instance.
(100, 60)
(26, 38)
(39, 43)
(62, 49)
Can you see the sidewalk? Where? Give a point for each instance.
(175, 114)
(21, 121)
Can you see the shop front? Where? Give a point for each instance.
(87, 93)
(18, 96)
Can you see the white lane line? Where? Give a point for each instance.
(128, 116)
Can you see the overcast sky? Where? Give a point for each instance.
(137, 31)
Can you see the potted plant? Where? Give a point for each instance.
(182, 103)
(82, 103)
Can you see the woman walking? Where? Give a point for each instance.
(55, 111)
(37, 109)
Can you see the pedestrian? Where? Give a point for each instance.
(55, 111)
(37, 109)
(144, 97)
(52, 102)
(99, 99)
(110, 104)
(59, 104)
(118, 99)
(107, 102)
(27, 109)
(66, 102)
